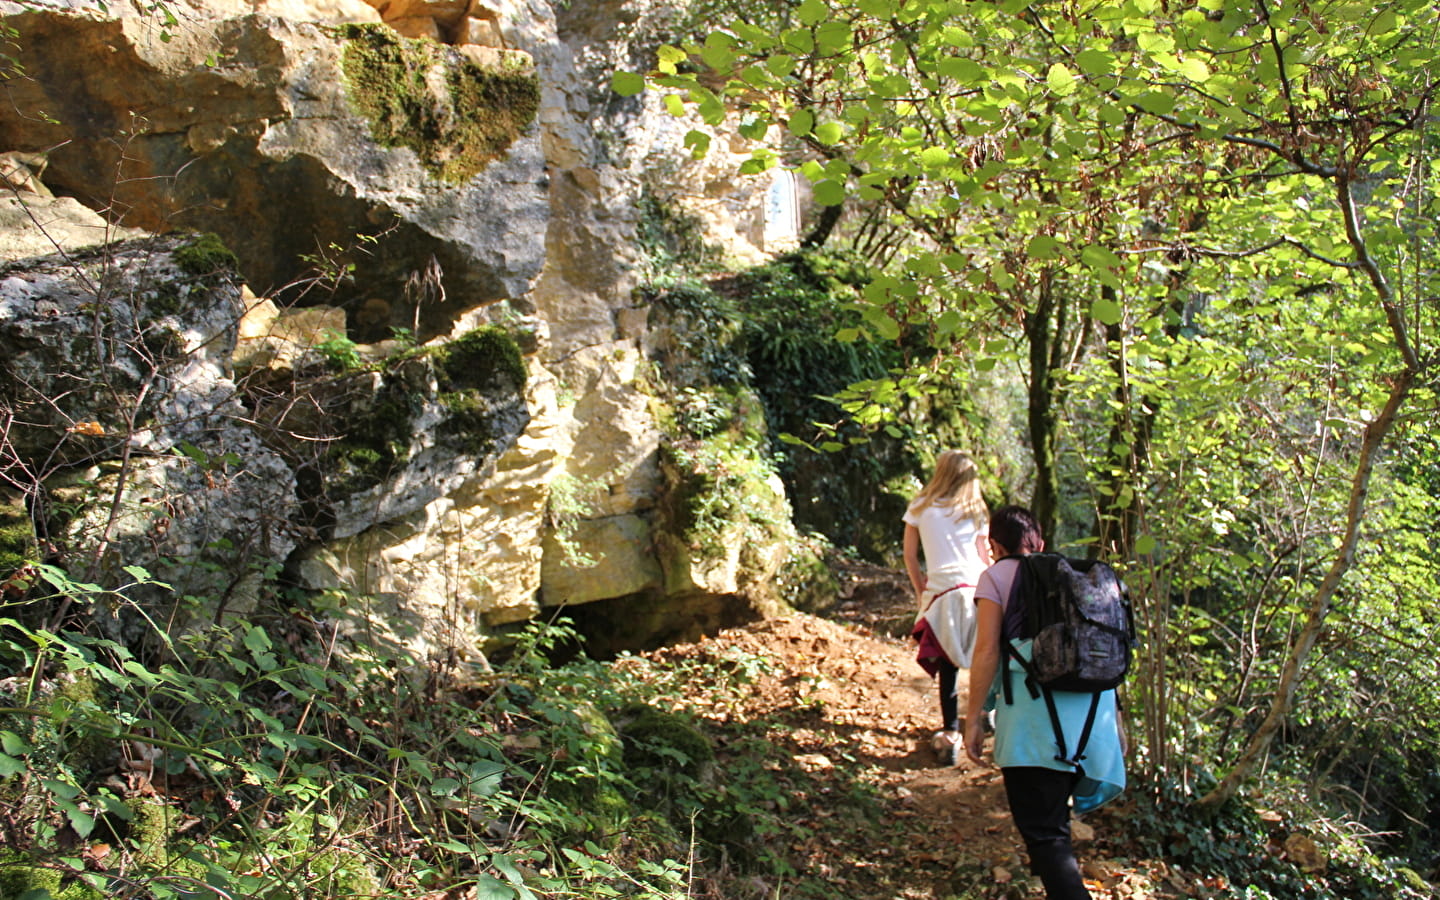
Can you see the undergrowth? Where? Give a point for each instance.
(1252, 854)
(278, 759)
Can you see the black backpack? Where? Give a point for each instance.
(1077, 611)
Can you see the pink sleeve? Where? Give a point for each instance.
(995, 582)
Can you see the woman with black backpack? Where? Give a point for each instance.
(1043, 782)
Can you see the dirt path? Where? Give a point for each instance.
(864, 707)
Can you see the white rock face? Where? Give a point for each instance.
(249, 133)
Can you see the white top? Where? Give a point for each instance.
(948, 543)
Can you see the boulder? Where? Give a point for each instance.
(128, 432)
(314, 152)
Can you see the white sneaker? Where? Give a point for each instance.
(946, 745)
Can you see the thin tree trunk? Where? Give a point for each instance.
(1374, 440)
(1320, 605)
(1042, 416)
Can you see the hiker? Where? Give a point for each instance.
(946, 521)
(1040, 783)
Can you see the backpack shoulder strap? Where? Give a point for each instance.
(1038, 690)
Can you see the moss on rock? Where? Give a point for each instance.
(17, 538)
(657, 738)
(375, 444)
(474, 359)
(457, 115)
(20, 877)
(467, 369)
(205, 255)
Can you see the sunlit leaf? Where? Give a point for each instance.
(627, 84)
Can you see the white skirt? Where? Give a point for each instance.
(951, 614)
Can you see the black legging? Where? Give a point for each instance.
(949, 703)
(1040, 805)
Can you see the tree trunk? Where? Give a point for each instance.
(1320, 605)
(1042, 408)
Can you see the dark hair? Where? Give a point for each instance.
(1014, 528)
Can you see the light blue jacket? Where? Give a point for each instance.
(1025, 737)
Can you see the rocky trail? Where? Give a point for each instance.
(861, 714)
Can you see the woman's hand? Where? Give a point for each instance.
(975, 738)
(984, 663)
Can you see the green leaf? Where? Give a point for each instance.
(829, 133)
(1145, 544)
(1157, 102)
(832, 37)
(798, 40)
(1095, 62)
(812, 12)
(961, 69)
(14, 744)
(755, 129)
(1106, 311)
(884, 324)
(1194, 69)
(780, 65)
(1043, 246)
(934, 157)
(801, 122)
(674, 105)
(1060, 80)
(627, 84)
(698, 142)
(1097, 257)
(81, 821)
(488, 887)
(9, 766)
(1385, 21)
(256, 640)
(669, 57)
(829, 193)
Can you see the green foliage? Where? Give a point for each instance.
(339, 352)
(802, 343)
(1244, 853)
(1206, 240)
(456, 131)
(291, 769)
(671, 238)
(17, 538)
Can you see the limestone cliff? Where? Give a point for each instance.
(424, 377)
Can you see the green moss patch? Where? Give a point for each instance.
(205, 255)
(375, 445)
(473, 360)
(17, 538)
(457, 115)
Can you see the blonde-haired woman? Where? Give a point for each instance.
(947, 524)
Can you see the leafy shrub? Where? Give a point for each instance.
(1245, 852)
(284, 768)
